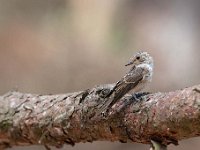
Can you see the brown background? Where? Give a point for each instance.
(50, 47)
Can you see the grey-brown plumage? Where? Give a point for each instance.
(136, 79)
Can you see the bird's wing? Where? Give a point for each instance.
(127, 83)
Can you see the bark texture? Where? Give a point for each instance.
(27, 119)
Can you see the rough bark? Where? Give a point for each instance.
(27, 119)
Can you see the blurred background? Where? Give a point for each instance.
(51, 47)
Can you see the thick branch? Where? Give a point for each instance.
(27, 119)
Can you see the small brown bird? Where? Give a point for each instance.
(135, 80)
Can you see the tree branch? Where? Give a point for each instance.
(27, 119)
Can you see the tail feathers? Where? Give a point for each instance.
(104, 108)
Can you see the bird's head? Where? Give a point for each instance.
(140, 58)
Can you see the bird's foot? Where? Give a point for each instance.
(134, 97)
(137, 97)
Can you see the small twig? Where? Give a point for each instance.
(197, 90)
(157, 146)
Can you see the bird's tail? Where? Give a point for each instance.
(104, 108)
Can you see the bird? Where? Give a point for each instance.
(135, 80)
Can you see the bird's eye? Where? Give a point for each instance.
(138, 57)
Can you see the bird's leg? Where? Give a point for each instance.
(134, 97)
(138, 96)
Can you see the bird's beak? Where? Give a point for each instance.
(130, 63)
